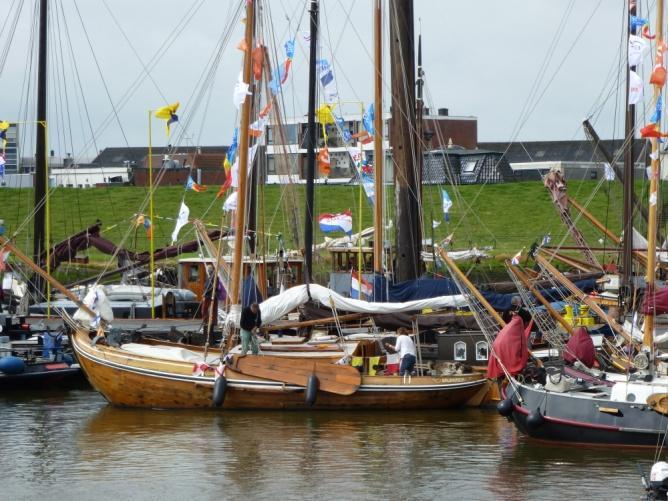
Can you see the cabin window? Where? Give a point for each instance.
(460, 350)
(481, 350)
(193, 273)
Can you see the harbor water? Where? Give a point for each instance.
(72, 445)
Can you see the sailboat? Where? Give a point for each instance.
(605, 408)
(136, 373)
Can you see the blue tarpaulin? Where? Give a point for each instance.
(429, 288)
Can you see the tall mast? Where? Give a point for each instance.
(240, 218)
(41, 167)
(378, 141)
(419, 116)
(310, 147)
(403, 142)
(648, 332)
(629, 159)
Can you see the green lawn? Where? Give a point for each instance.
(506, 216)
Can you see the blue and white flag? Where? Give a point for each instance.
(330, 94)
(336, 222)
(369, 187)
(546, 239)
(345, 132)
(447, 204)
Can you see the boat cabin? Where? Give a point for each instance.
(270, 273)
(468, 347)
(346, 259)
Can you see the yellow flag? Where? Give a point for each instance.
(4, 125)
(324, 114)
(168, 113)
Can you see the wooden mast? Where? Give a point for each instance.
(41, 166)
(629, 178)
(310, 147)
(378, 157)
(403, 140)
(648, 331)
(240, 219)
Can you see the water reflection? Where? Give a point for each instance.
(110, 453)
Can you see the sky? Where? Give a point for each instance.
(527, 69)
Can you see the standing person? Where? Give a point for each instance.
(405, 347)
(209, 301)
(251, 320)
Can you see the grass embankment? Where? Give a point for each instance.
(505, 216)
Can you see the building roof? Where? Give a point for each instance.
(117, 156)
(564, 151)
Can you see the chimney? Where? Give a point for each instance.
(443, 112)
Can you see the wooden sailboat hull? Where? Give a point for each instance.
(573, 419)
(134, 381)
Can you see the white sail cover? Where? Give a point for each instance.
(278, 306)
(96, 300)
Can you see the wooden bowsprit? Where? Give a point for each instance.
(332, 378)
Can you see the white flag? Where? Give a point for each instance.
(230, 203)
(235, 168)
(638, 47)
(181, 221)
(240, 92)
(635, 88)
(609, 172)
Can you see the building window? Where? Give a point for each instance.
(481, 350)
(271, 165)
(270, 134)
(460, 350)
(468, 166)
(291, 133)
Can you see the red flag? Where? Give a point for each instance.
(364, 137)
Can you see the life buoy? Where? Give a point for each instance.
(535, 420)
(505, 407)
(311, 390)
(219, 389)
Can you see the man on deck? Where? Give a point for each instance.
(251, 320)
(405, 347)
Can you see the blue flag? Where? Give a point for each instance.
(656, 117)
(368, 118)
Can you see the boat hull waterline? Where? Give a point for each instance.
(583, 419)
(134, 381)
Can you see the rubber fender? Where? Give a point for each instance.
(12, 365)
(219, 390)
(535, 420)
(505, 407)
(311, 390)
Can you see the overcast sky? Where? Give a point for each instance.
(481, 58)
